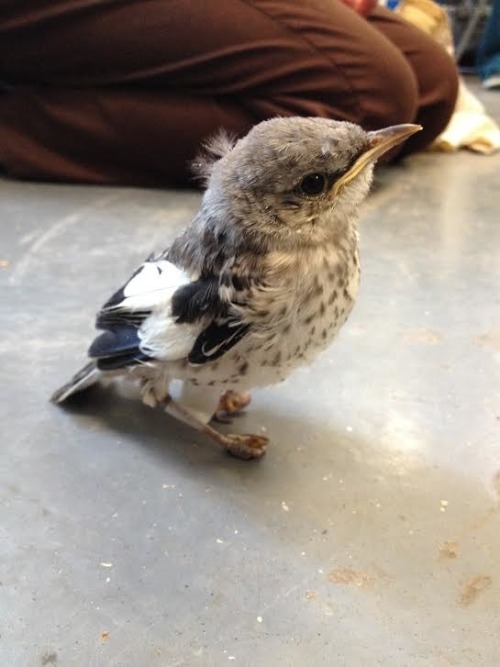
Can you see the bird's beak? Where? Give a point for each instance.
(379, 142)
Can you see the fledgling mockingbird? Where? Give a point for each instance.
(259, 282)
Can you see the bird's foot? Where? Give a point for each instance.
(231, 403)
(246, 446)
(242, 446)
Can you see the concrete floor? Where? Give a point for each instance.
(370, 533)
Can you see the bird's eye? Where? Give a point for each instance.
(313, 185)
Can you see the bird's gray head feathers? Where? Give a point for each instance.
(213, 150)
(292, 181)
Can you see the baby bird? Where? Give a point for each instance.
(258, 284)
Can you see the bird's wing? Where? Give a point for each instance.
(144, 297)
(216, 339)
(223, 327)
(163, 314)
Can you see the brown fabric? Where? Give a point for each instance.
(124, 91)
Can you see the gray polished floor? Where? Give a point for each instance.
(370, 533)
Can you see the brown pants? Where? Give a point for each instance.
(124, 91)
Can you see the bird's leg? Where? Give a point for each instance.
(245, 446)
(231, 403)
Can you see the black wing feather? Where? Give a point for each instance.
(114, 342)
(113, 318)
(122, 360)
(201, 299)
(198, 300)
(119, 344)
(117, 347)
(216, 340)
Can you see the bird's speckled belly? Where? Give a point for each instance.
(268, 356)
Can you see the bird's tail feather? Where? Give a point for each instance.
(85, 377)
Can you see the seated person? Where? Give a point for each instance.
(124, 92)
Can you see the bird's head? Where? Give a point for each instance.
(295, 181)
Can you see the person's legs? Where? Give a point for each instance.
(124, 92)
(144, 138)
(435, 71)
(488, 55)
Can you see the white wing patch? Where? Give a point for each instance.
(152, 289)
(164, 339)
(153, 284)
(161, 337)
